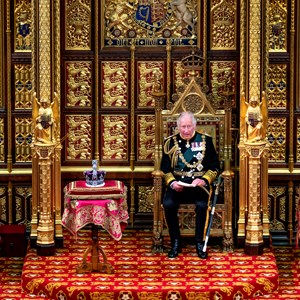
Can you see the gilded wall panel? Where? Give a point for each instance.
(114, 84)
(23, 25)
(223, 35)
(146, 79)
(114, 140)
(298, 141)
(78, 24)
(179, 73)
(79, 139)
(277, 203)
(277, 139)
(23, 86)
(222, 80)
(151, 23)
(277, 87)
(145, 196)
(297, 202)
(278, 32)
(3, 205)
(2, 137)
(146, 137)
(22, 200)
(23, 139)
(1, 56)
(79, 84)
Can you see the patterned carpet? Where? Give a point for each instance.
(141, 274)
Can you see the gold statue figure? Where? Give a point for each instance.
(253, 119)
(45, 119)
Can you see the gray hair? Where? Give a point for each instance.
(186, 114)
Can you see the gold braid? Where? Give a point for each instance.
(171, 152)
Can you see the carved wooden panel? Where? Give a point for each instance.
(277, 199)
(23, 25)
(3, 205)
(23, 139)
(277, 86)
(78, 24)
(79, 138)
(79, 84)
(114, 139)
(145, 199)
(278, 32)
(277, 139)
(298, 141)
(223, 80)
(146, 137)
(223, 25)
(22, 202)
(23, 86)
(146, 75)
(114, 91)
(2, 139)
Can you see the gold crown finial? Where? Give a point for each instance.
(193, 61)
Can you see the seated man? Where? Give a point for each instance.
(189, 157)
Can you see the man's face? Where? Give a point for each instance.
(186, 128)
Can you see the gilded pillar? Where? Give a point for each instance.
(253, 224)
(46, 227)
(254, 229)
(243, 197)
(228, 175)
(157, 174)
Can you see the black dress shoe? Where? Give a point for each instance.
(199, 249)
(175, 250)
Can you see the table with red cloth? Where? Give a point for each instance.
(104, 206)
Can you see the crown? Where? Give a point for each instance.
(94, 177)
(193, 61)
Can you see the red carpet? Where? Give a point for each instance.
(140, 274)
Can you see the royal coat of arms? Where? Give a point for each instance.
(151, 22)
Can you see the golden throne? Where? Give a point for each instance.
(192, 97)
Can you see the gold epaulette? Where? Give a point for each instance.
(202, 132)
(170, 136)
(210, 176)
(168, 178)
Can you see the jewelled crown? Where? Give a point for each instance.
(94, 177)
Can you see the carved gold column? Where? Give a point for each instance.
(253, 224)
(243, 196)
(46, 228)
(157, 174)
(264, 195)
(228, 175)
(257, 153)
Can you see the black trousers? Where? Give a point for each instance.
(171, 202)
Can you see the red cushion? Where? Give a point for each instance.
(112, 189)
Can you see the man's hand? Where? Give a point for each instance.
(198, 182)
(177, 187)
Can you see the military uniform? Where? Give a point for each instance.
(184, 161)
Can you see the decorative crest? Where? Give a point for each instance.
(193, 61)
